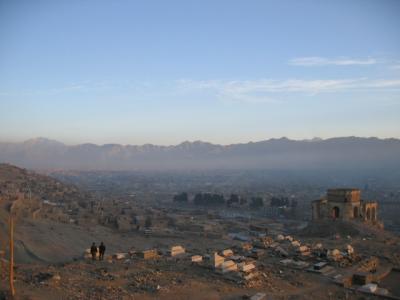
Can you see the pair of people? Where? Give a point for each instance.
(101, 250)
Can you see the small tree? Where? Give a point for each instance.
(279, 201)
(256, 202)
(233, 199)
(183, 197)
(171, 222)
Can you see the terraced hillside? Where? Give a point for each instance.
(51, 218)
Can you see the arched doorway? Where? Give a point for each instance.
(368, 214)
(373, 214)
(335, 212)
(355, 212)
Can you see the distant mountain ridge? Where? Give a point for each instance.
(283, 153)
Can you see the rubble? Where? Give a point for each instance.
(147, 281)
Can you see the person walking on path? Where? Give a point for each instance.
(93, 251)
(102, 250)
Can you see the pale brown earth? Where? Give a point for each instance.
(49, 261)
(168, 278)
(161, 279)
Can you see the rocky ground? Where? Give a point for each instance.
(132, 277)
(50, 263)
(160, 279)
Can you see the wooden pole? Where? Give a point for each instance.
(3, 274)
(12, 290)
(2, 269)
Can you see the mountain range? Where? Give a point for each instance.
(275, 154)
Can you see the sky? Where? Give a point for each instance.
(163, 72)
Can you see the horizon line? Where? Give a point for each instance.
(313, 139)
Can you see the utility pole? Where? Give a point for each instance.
(12, 290)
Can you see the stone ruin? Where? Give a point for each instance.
(345, 204)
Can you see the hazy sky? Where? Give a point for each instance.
(222, 71)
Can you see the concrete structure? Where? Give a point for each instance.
(197, 259)
(218, 260)
(259, 296)
(228, 266)
(177, 250)
(246, 267)
(345, 204)
(120, 256)
(149, 254)
(227, 253)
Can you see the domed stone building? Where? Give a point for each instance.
(345, 204)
